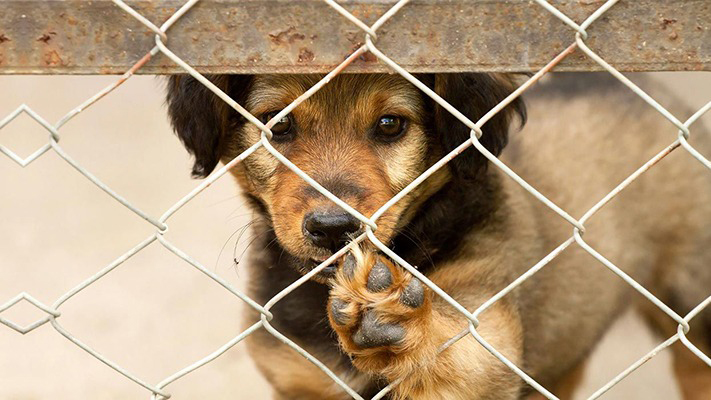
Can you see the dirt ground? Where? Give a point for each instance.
(156, 314)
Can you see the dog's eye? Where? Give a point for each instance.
(282, 128)
(389, 127)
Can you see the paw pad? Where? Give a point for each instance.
(414, 294)
(374, 303)
(380, 277)
(372, 333)
(349, 266)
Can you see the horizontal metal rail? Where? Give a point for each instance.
(256, 36)
(272, 36)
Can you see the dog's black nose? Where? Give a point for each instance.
(330, 229)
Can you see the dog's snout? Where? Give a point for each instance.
(330, 229)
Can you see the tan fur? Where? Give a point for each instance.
(574, 150)
(463, 371)
(335, 122)
(292, 376)
(692, 373)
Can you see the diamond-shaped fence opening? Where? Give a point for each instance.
(365, 47)
(48, 132)
(146, 302)
(20, 308)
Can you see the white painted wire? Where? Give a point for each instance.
(157, 391)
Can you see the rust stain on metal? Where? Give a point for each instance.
(355, 38)
(286, 36)
(255, 58)
(368, 57)
(52, 58)
(46, 37)
(667, 21)
(305, 55)
(308, 36)
(661, 155)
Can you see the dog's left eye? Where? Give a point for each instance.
(282, 128)
(389, 127)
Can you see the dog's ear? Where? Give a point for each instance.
(203, 121)
(474, 94)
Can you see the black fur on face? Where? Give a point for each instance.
(206, 126)
(203, 121)
(474, 94)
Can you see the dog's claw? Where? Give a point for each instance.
(373, 303)
(349, 266)
(414, 294)
(371, 333)
(340, 317)
(380, 277)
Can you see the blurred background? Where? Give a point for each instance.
(155, 314)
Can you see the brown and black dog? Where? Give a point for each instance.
(469, 228)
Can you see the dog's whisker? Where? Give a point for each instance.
(414, 238)
(239, 230)
(253, 239)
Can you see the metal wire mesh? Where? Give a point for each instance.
(158, 390)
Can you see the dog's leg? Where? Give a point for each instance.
(692, 374)
(393, 327)
(291, 376)
(567, 386)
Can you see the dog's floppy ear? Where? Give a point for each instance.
(202, 120)
(474, 94)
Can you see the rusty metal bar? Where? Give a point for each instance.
(274, 36)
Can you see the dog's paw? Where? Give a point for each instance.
(380, 312)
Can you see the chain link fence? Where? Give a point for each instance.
(158, 390)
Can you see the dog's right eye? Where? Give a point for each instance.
(389, 128)
(282, 129)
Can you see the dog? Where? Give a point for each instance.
(469, 227)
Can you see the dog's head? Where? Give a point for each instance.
(363, 137)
